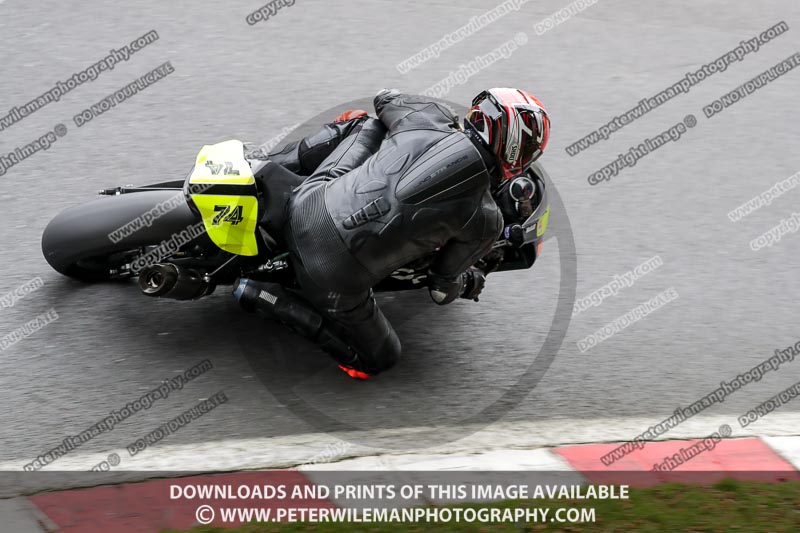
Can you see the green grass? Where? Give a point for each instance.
(728, 506)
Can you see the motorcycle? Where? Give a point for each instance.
(184, 238)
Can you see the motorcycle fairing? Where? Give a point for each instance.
(536, 224)
(223, 189)
(541, 224)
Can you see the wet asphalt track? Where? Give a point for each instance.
(233, 80)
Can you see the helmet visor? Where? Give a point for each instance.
(524, 140)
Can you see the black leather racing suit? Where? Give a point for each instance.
(389, 192)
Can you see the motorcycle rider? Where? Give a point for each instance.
(365, 196)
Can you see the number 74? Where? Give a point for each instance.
(227, 213)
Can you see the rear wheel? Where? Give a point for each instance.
(78, 241)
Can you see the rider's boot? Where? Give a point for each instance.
(276, 303)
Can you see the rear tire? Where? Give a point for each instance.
(77, 242)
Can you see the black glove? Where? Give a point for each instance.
(515, 235)
(474, 280)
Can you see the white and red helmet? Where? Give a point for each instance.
(513, 124)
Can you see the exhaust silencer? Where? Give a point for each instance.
(172, 281)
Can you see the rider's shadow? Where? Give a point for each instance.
(446, 373)
(443, 376)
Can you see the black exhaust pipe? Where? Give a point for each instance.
(171, 281)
